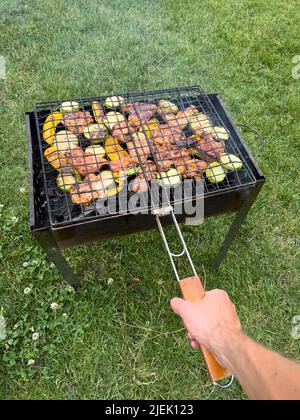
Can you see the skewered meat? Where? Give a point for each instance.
(85, 163)
(138, 148)
(76, 122)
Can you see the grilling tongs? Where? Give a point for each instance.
(191, 289)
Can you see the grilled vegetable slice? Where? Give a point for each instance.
(114, 102)
(149, 127)
(69, 106)
(199, 121)
(95, 132)
(215, 173)
(98, 112)
(65, 141)
(220, 133)
(168, 106)
(67, 178)
(120, 178)
(231, 162)
(132, 171)
(171, 178)
(49, 127)
(113, 119)
(107, 178)
(96, 150)
(113, 149)
(56, 159)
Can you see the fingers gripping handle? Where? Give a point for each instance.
(193, 291)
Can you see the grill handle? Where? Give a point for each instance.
(193, 291)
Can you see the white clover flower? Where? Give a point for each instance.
(71, 289)
(65, 315)
(14, 220)
(110, 281)
(1, 206)
(31, 362)
(52, 265)
(54, 306)
(22, 190)
(27, 291)
(25, 264)
(35, 336)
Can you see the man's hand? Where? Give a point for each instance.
(212, 322)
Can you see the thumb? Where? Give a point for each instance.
(177, 304)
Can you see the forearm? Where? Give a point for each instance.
(261, 372)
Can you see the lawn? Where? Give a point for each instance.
(119, 339)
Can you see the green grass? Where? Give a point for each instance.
(122, 340)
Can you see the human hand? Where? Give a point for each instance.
(211, 322)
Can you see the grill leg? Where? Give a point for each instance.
(237, 223)
(48, 243)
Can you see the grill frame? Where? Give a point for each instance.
(182, 95)
(53, 241)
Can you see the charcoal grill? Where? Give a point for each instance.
(57, 224)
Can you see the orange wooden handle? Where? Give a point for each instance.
(192, 290)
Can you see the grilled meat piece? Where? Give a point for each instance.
(139, 185)
(180, 120)
(209, 145)
(121, 164)
(192, 168)
(147, 173)
(122, 131)
(96, 183)
(140, 113)
(167, 156)
(85, 163)
(138, 148)
(148, 170)
(76, 122)
(91, 188)
(166, 135)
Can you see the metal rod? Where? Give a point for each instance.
(236, 224)
(49, 244)
(172, 255)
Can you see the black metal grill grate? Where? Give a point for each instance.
(146, 157)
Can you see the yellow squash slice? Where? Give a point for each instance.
(49, 126)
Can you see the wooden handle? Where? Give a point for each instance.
(192, 290)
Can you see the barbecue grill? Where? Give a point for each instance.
(57, 223)
(144, 140)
